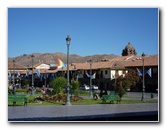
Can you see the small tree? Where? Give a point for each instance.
(131, 79)
(75, 86)
(58, 84)
(26, 82)
(128, 81)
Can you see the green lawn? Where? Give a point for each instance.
(90, 102)
(83, 102)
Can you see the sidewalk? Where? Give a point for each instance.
(99, 112)
(136, 96)
(74, 112)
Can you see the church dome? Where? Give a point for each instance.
(129, 46)
(129, 50)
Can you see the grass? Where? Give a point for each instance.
(90, 102)
(83, 93)
(86, 101)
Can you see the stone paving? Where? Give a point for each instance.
(18, 113)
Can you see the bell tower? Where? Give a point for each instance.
(129, 50)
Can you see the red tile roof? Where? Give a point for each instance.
(121, 62)
(137, 61)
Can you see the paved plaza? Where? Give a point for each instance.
(83, 112)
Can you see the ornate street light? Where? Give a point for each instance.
(14, 72)
(32, 56)
(90, 93)
(115, 65)
(68, 39)
(45, 77)
(143, 83)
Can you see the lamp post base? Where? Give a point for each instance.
(68, 95)
(91, 95)
(32, 93)
(68, 104)
(143, 91)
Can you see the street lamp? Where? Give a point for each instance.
(68, 39)
(14, 72)
(90, 93)
(115, 65)
(32, 56)
(143, 83)
(45, 77)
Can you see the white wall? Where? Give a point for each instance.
(120, 72)
(43, 66)
(104, 73)
(112, 72)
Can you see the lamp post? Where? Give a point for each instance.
(14, 72)
(143, 83)
(115, 65)
(68, 39)
(32, 56)
(90, 93)
(45, 77)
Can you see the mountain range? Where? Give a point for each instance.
(51, 58)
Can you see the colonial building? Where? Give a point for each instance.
(17, 74)
(150, 62)
(106, 71)
(15, 71)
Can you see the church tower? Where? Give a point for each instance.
(129, 50)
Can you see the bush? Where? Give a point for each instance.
(22, 90)
(25, 82)
(58, 84)
(75, 86)
(57, 98)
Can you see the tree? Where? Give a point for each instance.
(75, 86)
(131, 79)
(58, 84)
(26, 82)
(128, 81)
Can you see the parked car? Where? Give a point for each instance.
(84, 87)
(94, 87)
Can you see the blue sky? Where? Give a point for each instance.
(92, 30)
